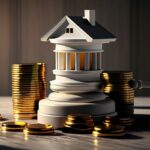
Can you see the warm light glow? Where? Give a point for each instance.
(26, 135)
(82, 57)
(16, 118)
(95, 133)
(107, 125)
(95, 141)
(72, 61)
(82, 61)
(106, 76)
(62, 60)
(3, 129)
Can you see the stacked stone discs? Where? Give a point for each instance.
(79, 123)
(116, 85)
(28, 87)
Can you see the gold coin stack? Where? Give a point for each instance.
(108, 129)
(28, 87)
(116, 86)
(79, 123)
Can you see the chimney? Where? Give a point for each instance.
(90, 16)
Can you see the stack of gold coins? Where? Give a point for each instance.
(108, 129)
(13, 126)
(28, 87)
(116, 86)
(79, 123)
(38, 129)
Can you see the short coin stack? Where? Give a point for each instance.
(108, 129)
(38, 129)
(116, 86)
(79, 123)
(28, 87)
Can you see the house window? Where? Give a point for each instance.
(69, 30)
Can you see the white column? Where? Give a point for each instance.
(68, 65)
(87, 61)
(77, 61)
(100, 60)
(94, 61)
(56, 60)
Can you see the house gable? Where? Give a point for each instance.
(59, 31)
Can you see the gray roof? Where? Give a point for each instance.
(96, 32)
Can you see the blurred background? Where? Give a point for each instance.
(24, 22)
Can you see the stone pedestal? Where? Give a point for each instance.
(74, 92)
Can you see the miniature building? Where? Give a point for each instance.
(78, 57)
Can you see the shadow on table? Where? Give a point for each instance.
(131, 137)
(2, 147)
(142, 123)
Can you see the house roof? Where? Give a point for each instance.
(95, 32)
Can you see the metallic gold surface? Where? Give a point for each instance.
(116, 86)
(78, 123)
(109, 127)
(39, 129)
(13, 126)
(28, 87)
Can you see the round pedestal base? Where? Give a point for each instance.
(54, 109)
(105, 106)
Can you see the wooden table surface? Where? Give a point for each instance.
(138, 138)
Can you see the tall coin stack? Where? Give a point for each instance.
(116, 86)
(28, 87)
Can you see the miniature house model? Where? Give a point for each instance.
(78, 56)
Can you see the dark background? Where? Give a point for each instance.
(23, 22)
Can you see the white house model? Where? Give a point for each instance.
(78, 56)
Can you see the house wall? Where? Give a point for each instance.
(23, 22)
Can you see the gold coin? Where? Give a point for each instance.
(26, 98)
(24, 109)
(27, 81)
(25, 115)
(78, 129)
(109, 128)
(28, 65)
(80, 125)
(31, 102)
(25, 112)
(13, 126)
(28, 93)
(39, 129)
(72, 122)
(25, 131)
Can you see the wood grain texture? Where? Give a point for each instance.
(23, 22)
